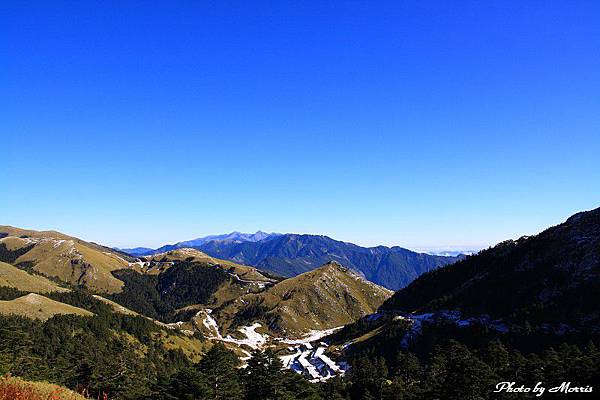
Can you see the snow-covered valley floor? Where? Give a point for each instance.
(303, 358)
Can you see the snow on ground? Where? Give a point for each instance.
(288, 360)
(210, 323)
(254, 340)
(309, 361)
(304, 360)
(311, 336)
(308, 367)
(313, 363)
(416, 323)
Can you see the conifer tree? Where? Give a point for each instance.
(219, 369)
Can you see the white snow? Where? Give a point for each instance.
(315, 363)
(210, 323)
(253, 339)
(311, 336)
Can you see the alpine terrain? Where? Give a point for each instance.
(184, 323)
(289, 255)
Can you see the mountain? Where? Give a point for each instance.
(62, 257)
(291, 254)
(552, 277)
(233, 237)
(327, 297)
(136, 251)
(78, 263)
(523, 311)
(162, 285)
(35, 306)
(160, 261)
(16, 278)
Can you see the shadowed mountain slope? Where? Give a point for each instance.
(553, 276)
(291, 254)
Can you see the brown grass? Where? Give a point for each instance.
(12, 388)
(36, 306)
(14, 277)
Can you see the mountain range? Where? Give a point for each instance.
(289, 255)
(525, 309)
(234, 237)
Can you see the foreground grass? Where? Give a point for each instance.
(12, 388)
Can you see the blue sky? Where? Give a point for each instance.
(414, 123)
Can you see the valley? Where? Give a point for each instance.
(183, 306)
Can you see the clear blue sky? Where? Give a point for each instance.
(415, 123)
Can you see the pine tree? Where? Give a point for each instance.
(497, 357)
(219, 369)
(263, 376)
(408, 368)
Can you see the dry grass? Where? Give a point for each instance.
(193, 348)
(243, 271)
(116, 306)
(16, 278)
(324, 298)
(67, 258)
(35, 306)
(12, 388)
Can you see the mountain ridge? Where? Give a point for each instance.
(291, 254)
(553, 275)
(323, 298)
(234, 236)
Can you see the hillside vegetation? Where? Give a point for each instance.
(123, 356)
(550, 277)
(14, 277)
(161, 261)
(39, 307)
(59, 256)
(13, 388)
(327, 297)
(291, 254)
(523, 311)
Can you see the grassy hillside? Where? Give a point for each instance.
(106, 352)
(161, 261)
(181, 284)
(16, 278)
(327, 297)
(35, 306)
(59, 256)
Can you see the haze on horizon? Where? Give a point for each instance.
(146, 124)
